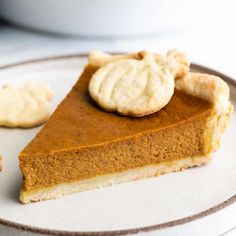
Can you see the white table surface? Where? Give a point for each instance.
(212, 44)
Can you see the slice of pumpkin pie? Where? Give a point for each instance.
(113, 128)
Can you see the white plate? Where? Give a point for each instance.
(153, 203)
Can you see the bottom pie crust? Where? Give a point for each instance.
(110, 179)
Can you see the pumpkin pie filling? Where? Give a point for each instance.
(83, 147)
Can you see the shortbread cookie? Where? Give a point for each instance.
(26, 106)
(132, 87)
(135, 84)
(175, 60)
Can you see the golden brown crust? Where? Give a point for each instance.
(216, 125)
(208, 87)
(213, 89)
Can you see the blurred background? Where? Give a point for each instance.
(204, 29)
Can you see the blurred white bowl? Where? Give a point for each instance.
(110, 18)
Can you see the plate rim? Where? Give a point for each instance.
(164, 225)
